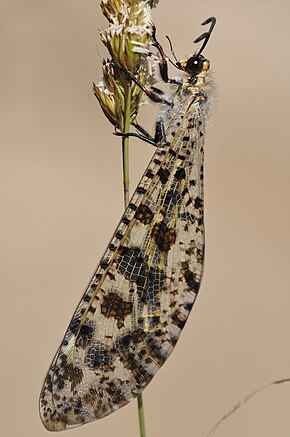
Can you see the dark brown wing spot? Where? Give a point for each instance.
(132, 206)
(154, 350)
(99, 357)
(73, 373)
(163, 174)
(178, 320)
(114, 307)
(116, 394)
(85, 335)
(198, 253)
(90, 397)
(119, 235)
(191, 280)
(144, 214)
(198, 202)
(125, 220)
(149, 173)
(165, 237)
(180, 174)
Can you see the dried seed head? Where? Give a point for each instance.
(127, 39)
(111, 9)
(109, 95)
(129, 25)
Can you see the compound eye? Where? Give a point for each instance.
(194, 65)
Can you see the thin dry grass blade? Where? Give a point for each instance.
(242, 401)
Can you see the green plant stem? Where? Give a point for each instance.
(141, 416)
(126, 182)
(125, 145)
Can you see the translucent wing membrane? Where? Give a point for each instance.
(141, 294)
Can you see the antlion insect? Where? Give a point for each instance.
(138, 301)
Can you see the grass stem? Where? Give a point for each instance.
(126, 182)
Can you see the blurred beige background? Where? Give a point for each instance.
(61, 198)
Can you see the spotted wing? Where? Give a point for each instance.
(140, 296)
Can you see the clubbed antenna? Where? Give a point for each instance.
(205, 36)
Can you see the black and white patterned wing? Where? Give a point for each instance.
(139, 299)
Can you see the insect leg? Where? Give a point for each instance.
(159, 132)
(141, 137)
(142, 131)
(159, 136)
(163, 65)
(154, 94)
